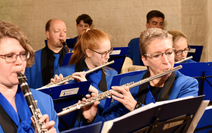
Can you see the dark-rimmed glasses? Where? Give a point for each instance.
(180, 52)
(9, 58)
(158, 56)
(103, 54)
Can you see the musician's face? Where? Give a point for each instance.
(8, 75)
(96, 59)
(181, 45)
(156, 65)
(83, 26)
(57, 31)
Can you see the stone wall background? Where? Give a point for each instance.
(122, 19)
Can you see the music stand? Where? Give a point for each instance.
(118, 55)
(202, 71)
(174, 116)
(64, 96)
(196, 52)
(205, 124)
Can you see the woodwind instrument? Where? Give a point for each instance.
(64, 44)
(190, 57)
(107, 94)
(68, 78)
(36, 114)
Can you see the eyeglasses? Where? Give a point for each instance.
(158, 56)
(104, 54)
(9, 58)
(180, 52)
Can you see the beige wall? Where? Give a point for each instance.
(122, 19)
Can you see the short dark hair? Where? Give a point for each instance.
(48, 25)
(154, 13)
(86, 18)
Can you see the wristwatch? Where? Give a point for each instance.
(138, 105)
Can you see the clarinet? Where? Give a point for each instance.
(36, 114)
(107, 94)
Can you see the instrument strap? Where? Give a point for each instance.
(6, 122)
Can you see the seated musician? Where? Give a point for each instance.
(15, 115)
(93, 49)
(157, 54)
(181, 46)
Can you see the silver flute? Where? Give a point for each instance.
(107, 94)
(36, 114)
(68, 78)
(190, 57)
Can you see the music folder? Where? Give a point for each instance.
(118, 55)
(67, 95)
(92, 128)
(170, 116)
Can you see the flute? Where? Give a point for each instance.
(190, 57)
(68, 78)
(107, 94)
(64, 44)
(36, 114)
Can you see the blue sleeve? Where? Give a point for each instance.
(130, 50)
(190, 88)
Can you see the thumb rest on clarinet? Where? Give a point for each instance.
(107, 94)
(36, 114)
(68, 78)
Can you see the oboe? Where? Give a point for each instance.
(68, 78)
(36, 114)
(64, 44)
(190, 57)
(107, 94)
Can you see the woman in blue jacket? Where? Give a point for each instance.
(15, 115)
(157, 54)
(93, 49)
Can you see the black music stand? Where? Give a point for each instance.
(173, 116)
(67, 95)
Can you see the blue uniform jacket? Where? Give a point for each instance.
(134, 52)
(183, 86)
(46, 106)
(190, 61)
(70, 69)
(34, 73)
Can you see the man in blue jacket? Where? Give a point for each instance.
(48, 59)
(155, 19)
(157, 54)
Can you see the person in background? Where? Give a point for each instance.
(93, 49)
(83, 22)
(157, 53)
(155, 19)
(49, 58)
(181, 46)
(15, 55)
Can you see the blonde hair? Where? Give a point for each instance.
(151, 34)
